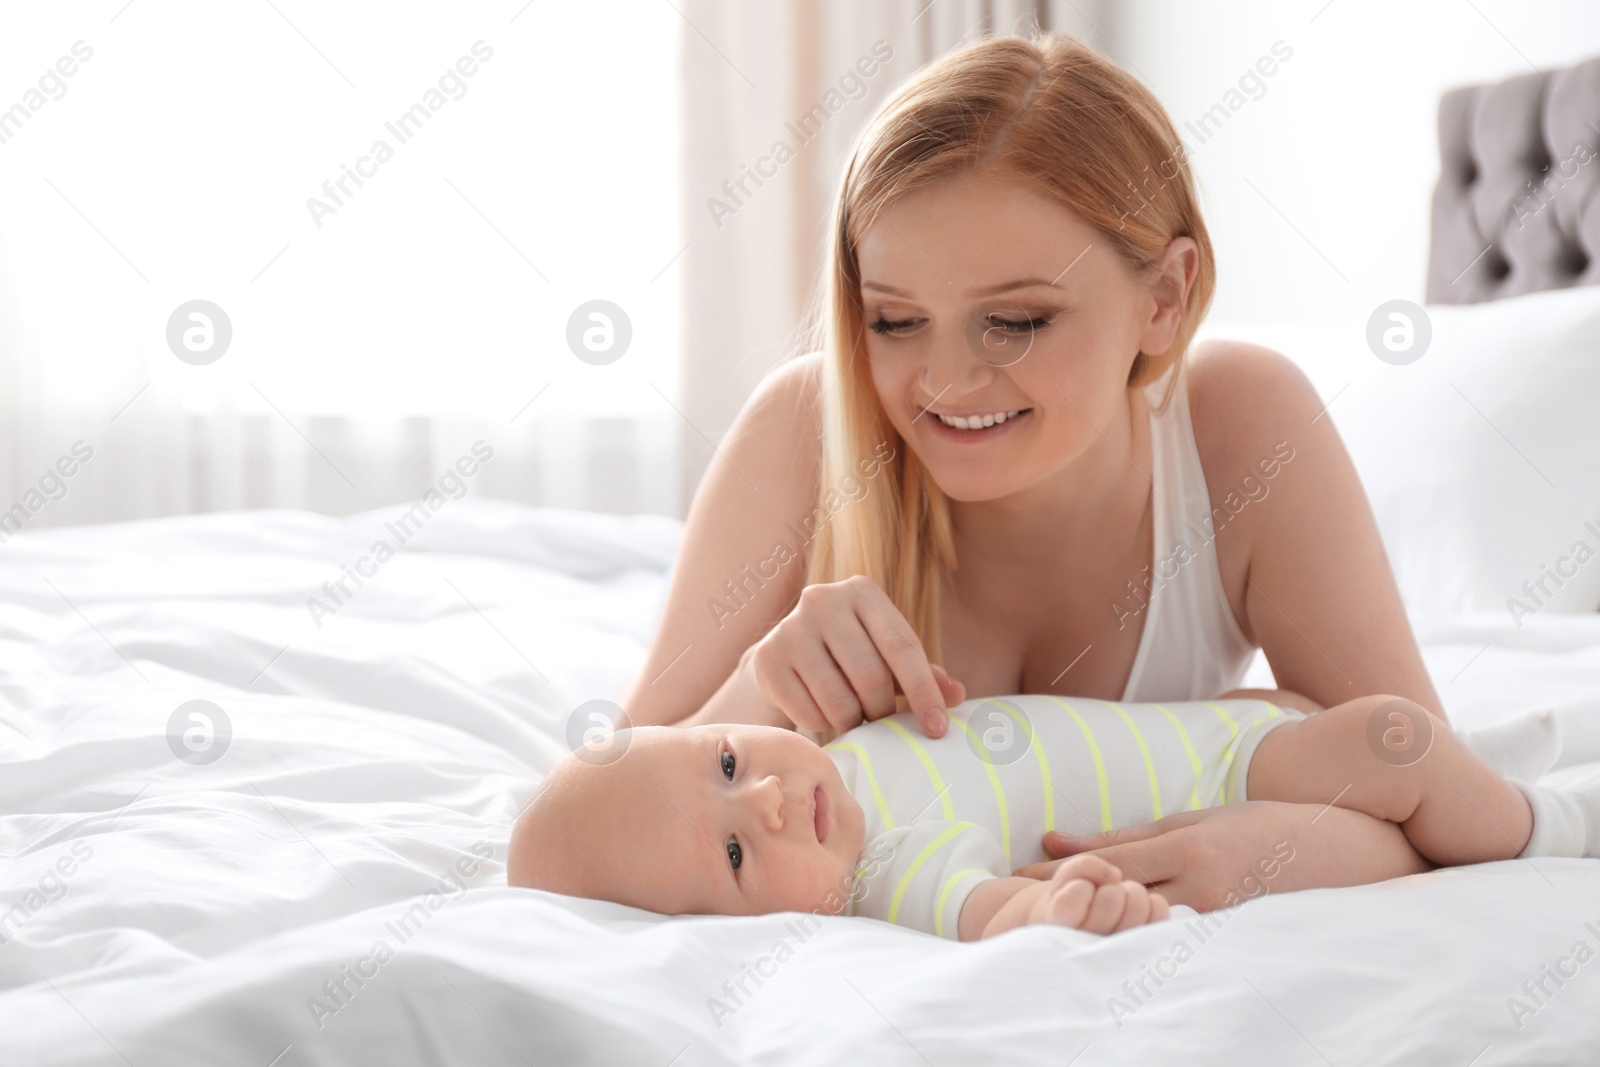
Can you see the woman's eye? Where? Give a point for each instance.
(727, 769)
(735, 853)
(883, 325)
(1019, 327)
(892, 326)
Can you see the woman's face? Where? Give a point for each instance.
(984, 297)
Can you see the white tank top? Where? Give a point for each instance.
(1191, 647)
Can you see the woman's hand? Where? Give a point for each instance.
(841, 655)
(1222, 856)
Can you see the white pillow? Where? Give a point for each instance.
(1482, 457)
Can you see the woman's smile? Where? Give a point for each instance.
(1000, 423)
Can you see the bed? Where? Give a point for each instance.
(241, 827)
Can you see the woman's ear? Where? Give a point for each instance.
(1171, 279)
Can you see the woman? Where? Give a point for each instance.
(1004, 472)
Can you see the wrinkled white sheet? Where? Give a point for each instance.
(209, 907)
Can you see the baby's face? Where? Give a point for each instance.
(717, 819)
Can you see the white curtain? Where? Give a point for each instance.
(752, 73)
(154, 154)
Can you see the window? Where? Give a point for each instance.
(398, 207)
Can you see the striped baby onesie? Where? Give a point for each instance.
(943, 814)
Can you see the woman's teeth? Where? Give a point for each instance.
(978, 422)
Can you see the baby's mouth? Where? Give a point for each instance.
(821, 817)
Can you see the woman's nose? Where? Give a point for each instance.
(950, 367)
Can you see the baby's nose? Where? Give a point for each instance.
(770, 790)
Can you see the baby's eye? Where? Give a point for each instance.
(735, 853)
(727, 770)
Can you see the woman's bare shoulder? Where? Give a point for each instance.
(797, 383)
(1246, 401)
(800, 379)
(783, 421)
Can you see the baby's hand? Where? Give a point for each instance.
(1092, 896)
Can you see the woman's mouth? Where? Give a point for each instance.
(978, 427)
(821, 816)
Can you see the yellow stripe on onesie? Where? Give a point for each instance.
(944, 814)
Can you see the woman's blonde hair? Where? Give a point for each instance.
(1049, 111)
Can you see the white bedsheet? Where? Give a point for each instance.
(372, 755)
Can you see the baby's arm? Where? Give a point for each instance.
(953, 879)
(1089, 896)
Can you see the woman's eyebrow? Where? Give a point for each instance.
(990, 290)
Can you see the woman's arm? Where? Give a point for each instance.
(739, 699)
(1306, 570)
(727, 589)
(1218, 857)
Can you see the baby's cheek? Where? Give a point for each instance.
(833, 885)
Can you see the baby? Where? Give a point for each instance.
(888, 823)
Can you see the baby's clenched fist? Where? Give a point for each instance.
(1087, 893)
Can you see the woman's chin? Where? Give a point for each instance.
(971, 488)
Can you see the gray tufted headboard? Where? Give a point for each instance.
(1517, 207)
